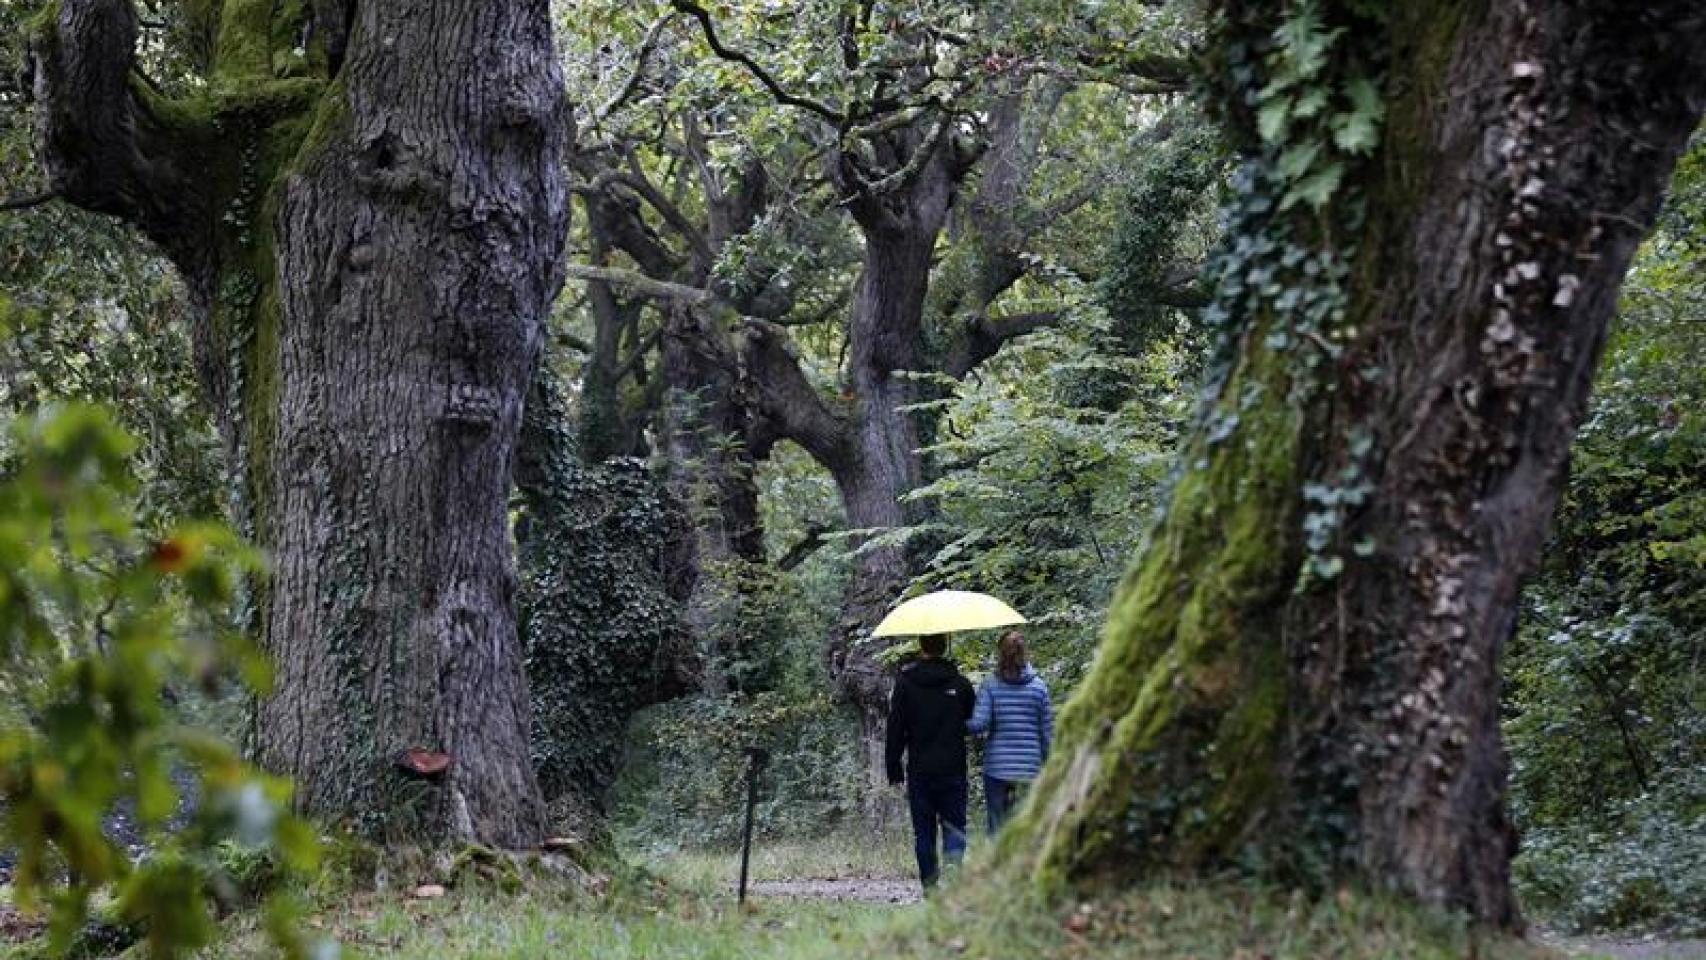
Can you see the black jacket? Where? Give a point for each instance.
(927, 720)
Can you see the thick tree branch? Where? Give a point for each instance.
(768, 380)
(772, 376)
(752, 66)
(573, 342)
(616, 218)
(1165, 74)
(985, 337)
(641, 284)
(28, 200)
(101, 146)
(87, 108)
(635, 179)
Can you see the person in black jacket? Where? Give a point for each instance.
(927, 725)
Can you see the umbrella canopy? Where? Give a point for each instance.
(947, 611)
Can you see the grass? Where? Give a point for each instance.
(849, 856)
(486, 926)
(678, 908)
(982, 921)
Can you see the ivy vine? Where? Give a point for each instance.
(1309, 106)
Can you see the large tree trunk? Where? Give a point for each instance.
(881, 467)
(708, 429)
(375, 230)
(881, 461)
(1301, 672)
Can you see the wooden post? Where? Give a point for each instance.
(758, 757)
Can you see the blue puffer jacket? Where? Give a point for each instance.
(1019, 722)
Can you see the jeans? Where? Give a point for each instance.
(999, 798)
(933, 799)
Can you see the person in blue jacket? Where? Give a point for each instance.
(1013, 712)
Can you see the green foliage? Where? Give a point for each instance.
(599, 607)
(1306, 102)
(1645, 869)
(97, 622)
(604, 637)
(681, 788)
(97, 316)
(1048, 479)
(685, 785)
(1607, 695)
(1160, 225)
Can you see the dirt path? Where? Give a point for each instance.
(857, 889)
(1624, 948)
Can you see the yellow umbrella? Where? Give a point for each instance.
(947, 611)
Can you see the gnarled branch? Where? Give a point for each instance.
(101, 146)
(752, 66)
(642, 284)
(985, 336)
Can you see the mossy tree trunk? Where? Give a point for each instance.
(366, 202)
(1300, 674)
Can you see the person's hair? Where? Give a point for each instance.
(1010, 658)
(933, 644)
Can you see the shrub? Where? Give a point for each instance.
(685, 784)
(1645, 871)
(97, 624)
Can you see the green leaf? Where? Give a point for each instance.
(1357, 130)
(1296, 161)
(1315, 189)
(1305, 41)
(1274, 119)
(1310, 104)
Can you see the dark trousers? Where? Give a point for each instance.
(937, 801)
(999, 798)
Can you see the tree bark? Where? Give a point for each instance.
(1300, 674)
(418, 252)
(372, 230)
(881, 461)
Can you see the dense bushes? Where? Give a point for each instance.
(599, 609)
(683, 784)
(1645, 869)
(1048, 475)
